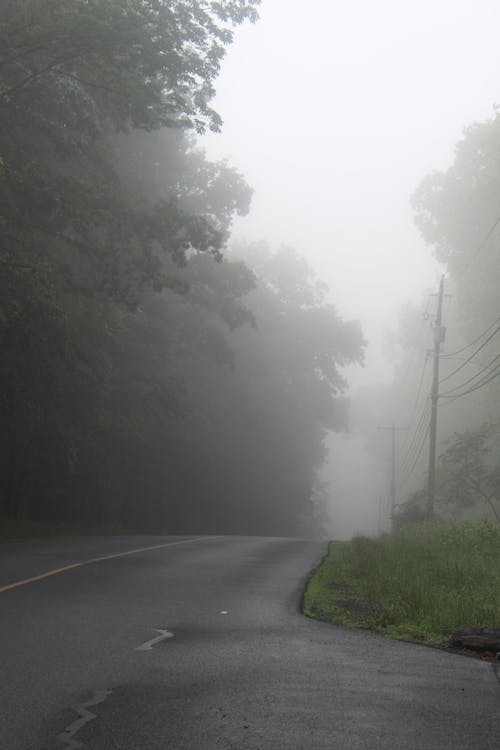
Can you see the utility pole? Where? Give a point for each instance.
(393, 430)
(439, 336)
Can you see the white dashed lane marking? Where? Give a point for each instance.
(84, 716)
(149, 644)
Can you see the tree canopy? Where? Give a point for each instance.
(148, 377)
(458, 213)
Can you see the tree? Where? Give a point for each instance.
(78, 252)
(73, 74)
(457, 211)
(289, 366)
(413, 510)
(243, 451)
(145, 378)
(468, 474)
(118, 366)
(143, 63)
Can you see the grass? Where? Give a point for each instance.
(16, 530)
(419, 584)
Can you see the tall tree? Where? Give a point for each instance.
(457, 212)
(470, 471)
(77, 251)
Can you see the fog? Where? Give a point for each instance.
(249, 304)
(335, 111)
(213, 329)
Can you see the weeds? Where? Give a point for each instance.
(420, 583)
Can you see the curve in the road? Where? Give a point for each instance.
(63, 569)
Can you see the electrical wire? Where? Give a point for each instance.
(484, 382)
(421, 426)
(412, 359)
(468, 346)
(410, 441)
(476, 375)
(409, 445)
(420, 384)
(466, 361)
(417, 457)
(416, 435)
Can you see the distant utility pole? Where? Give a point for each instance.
(439, 336)
(393, 430)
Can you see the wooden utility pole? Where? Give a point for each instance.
(439, 336)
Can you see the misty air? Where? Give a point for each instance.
(250, 374)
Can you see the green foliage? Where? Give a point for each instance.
(257, 421)
(144, 379)
(78, 251)
(134, 64)
(421, 583)
(73, 75)
(332, 589)
(414, 510)
(469, 471)
(456, 212)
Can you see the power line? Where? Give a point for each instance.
(412, 358)
(466, 361)
(393, 430)
(486, 375)
(408, 447)
(484, 382)
(417, 457)
(416, 435)
(476, 375)
(412, 448)
(439, 334)
(420, 384)
(467, 346)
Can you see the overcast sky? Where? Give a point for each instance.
(334, 111)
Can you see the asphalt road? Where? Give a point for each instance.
(201, 646)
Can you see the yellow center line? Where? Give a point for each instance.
(56, 571)
(39, 577)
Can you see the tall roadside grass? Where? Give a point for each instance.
(420, 583)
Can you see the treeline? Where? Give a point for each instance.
(458, 214)
(144, 378)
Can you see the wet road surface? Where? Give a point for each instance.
(200, 645)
